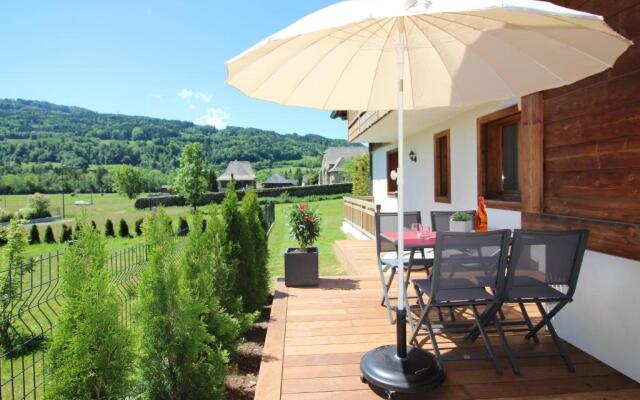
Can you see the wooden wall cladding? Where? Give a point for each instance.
(591, 140)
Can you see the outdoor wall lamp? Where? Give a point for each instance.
(413, 157)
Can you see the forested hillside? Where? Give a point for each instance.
(40, 141)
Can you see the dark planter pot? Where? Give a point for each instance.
(301, 269)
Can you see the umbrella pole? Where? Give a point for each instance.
(401, 369)
(401, 317)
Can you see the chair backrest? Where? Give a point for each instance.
(466, 260)
(440, 219)
(546, 259)
(388, 222)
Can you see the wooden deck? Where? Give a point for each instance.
(317, 336)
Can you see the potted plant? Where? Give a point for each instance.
(301, 263)
(461, 222)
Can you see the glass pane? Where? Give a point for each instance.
(510, 158)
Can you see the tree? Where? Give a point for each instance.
(93, 225)
(11, 271)
(213, 181)
(176, 359)
(241, 247)
(183, 227)
(48, 235)
(358, 169)
(108, 229)
(298, 176)
(91, 352)
(138, 226)
(127, 181)
(191, 183)
(258, 274)
(123, 229)
(40, 203)
(66, 234)
(34, 235)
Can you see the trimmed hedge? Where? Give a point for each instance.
(292, 191)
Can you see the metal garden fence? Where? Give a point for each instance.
(29, 312)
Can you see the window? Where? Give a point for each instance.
(442, 167)
(498, 158)
(392, 165)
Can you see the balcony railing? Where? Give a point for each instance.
(360, 213)
(358, 122)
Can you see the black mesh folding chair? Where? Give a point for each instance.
(468, 271)
(543, 268)
(388, 264)
(440, 219)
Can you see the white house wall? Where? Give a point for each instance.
(602, 320)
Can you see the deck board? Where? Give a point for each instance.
(317, 336)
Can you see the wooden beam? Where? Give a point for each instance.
(531, 154)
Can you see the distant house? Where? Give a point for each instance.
(239, 171)
(276, 180)
(334, 162)
(165, 189)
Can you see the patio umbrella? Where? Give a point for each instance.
(416, 54)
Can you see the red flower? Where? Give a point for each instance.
(303, 207)
(309, 219)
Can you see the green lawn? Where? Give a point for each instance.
(331, 212)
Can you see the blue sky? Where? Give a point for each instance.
(159, 58)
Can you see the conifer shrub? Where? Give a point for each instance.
(138, 226)
(257, 288)
(34, 235)
(12, 255)
(178, 357)
(91, 352)
(77, 229)
(183, 227)
(48, 235)
(66, 234)
(123, 229)
(108, 229)
(93, 225)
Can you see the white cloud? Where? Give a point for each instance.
(215, 117)
(187, 94)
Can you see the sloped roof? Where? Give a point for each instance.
(333, 154)
(276, 179)
(339, 165)
(239, 171)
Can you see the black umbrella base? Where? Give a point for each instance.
(390, 376)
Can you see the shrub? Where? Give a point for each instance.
(138, 226)
(34, 235)
(48, 235)
(66, 234)
(10, 278)
(359, 172)
(461, 216)
(241, 247)
(123, 229)
(178, 358)
(26, 213)
(93, 225)
(183, 227)
(91, 353)
(5, 216)
(304, 225)
(258, 274)
(3, 236)
(40, 204)
(108, 229)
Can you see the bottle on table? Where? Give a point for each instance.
(481, 224)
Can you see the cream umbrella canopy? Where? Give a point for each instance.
(371, 55)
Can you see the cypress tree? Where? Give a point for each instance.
(183, 227)
(241, 246)
(123, 229)
(48, 235)
(176, 360)
(66, 234)
(258, 273)
(138, 227)
(108, 229)
(34, 235)
(91, 353)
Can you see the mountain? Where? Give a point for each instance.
(34, 134)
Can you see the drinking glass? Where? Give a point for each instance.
(416, 227)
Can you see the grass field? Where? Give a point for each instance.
(331, 212)
(107, 206)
